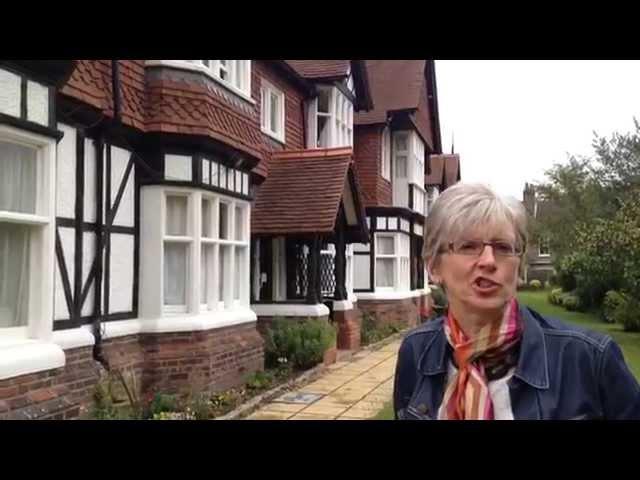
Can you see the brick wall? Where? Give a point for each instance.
(211, 360)
(403, 313)
(349, 323)
(367, 152)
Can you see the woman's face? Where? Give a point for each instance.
(481, 283)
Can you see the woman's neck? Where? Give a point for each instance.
(471, 321)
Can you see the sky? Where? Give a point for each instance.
(512, 120)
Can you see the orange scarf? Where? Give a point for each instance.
(467, 393)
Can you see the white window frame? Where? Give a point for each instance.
(339, 120)
(42, 241)
(266, 91)
(543, 242)
(152, 302)
(393, 257)
(385, 154)
(401, 262)
(238, 80)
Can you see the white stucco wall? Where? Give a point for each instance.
(121, 268)
(66, 173)
(119, 161)
(67, 237)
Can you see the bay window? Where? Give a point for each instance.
(330, 119)
(27, 163)
(204, 252)
(234, 74)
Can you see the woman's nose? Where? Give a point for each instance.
(487, 256)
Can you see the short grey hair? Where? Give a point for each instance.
(465, 206)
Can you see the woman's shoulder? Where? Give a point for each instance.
(554, 328)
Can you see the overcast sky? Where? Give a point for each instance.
(512, 120)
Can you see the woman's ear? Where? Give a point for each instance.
(433, 270)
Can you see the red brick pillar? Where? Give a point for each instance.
(348, 322)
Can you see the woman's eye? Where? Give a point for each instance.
(504, 248)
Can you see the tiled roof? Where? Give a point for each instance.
(395, 85)
(445, 170)
(451, 170)
(316, 69)
(436, 177)
(302, 192)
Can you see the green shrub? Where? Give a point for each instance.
(302, 343)
(612, 300)
(535, 284)
(627, 314)
(547, 285)
(371, 332)
(554, 296)
(163, 403)
(570, 301)
(260, 380)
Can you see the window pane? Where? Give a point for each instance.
(263, 108)
(214, 174)
(223, 223)
(206, 271)
(385, 246)
(401, 142)
(230, 179)
(176, 216)
(205, 171)
(323, 101)
(175, 273)
(14, 275)
(18, 178)
(225, 252)
(323, 131)
(385, 272)
(238, 181)
(362, 267)
(239, 73)
(223, 70)
(239, 224)
(237, 272)
(206, 219)
(275, 114)
(401, 166)
(223, 176)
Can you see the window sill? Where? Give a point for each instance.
(391, 295)
(277, 138)
(22, 357)
(202, 69)
(290, 310)
(180, 323)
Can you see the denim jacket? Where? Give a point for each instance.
(563, 373)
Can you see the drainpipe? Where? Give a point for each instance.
(98, 350)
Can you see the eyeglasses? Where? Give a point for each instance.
(476, 247)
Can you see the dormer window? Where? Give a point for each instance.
(233, 74)
(330, 119)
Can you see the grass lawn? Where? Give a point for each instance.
(629, 342)
(386, 413)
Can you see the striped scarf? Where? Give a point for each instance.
(467, 393)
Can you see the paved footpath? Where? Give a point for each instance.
(350, 390)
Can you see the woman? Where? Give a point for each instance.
(489, 357)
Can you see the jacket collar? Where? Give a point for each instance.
(532, 365)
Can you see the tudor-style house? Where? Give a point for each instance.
(394, 143)
(539, 259)
(140, 223)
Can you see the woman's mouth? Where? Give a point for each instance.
(485, 285)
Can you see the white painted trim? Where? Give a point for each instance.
(202, 69)
(29, 356)
(290, 310)
(342, 305)
(179, 323)
(391, 295)
(73, 338)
